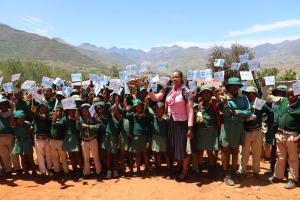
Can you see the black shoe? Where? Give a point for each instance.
(273, 179)
(256, 176)
(181, 177)
(291, 184)
(19, 172)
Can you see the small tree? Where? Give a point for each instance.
(270, 71)
(288, 75)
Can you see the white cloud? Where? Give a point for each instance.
(228, 43)
(36, 25)
(257, 28)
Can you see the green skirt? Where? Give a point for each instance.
(232, 134)
(124, 142)
(206, 139)
(71, 143)
(111, 143)
(138, 144)
(159, 143)
(22, 147)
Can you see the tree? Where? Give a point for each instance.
(270, 71)
(288, 75)
(231, 55)
(115, 71)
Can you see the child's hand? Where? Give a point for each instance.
(297, 139)
(77, 116)
(189, 134)
(33, 109)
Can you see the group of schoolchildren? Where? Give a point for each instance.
(126, 132)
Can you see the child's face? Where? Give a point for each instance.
(159, 111)
(71, 113)
(85, 112)
(139, 109)
(206, 95)
(3, 107)
(58, 112)
(20, 121)
(43, 109)
(99, 109)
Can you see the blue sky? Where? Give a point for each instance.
(145, 24)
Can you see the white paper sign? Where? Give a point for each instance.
(15, 77)
(155, 79)
(254, 65)
(145, 66)
(1, 79)
(296, 88)
(203, 75)
(8, 87)
(153, 87)
(259, 103)
(190, 75)
(246, 75)
(131, 67)
(163, 80)
(28, 85)
(270, 80)
(244, 85)
(162, 66)
(66, 91)
(244, 58)
(68, 103)
(37, 97)
(124, 76)
(192, 86)
(235, 66)
(92, 110)
(99, 86)
(219, 62)
(47, 82)
(219, 76)
(127, 90)
(58, 82)
(76, 77)
(93, 77)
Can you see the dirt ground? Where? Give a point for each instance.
(150, 186)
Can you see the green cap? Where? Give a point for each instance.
(251, 89)
(234, 81)
(4, 100)
(281, 88)
(205, 87)
(43, 103)
(19, 114)
(99, 103)
(85, 105)
(136, 102)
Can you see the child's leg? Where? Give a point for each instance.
(195, 162)
(31, 163)
(200, 160)
(146, 159)
(86, 156)
(122, 160)
(131, 162)
(167, 158)
(24, 162)
(158, 159)
(211, 158)
(138, 161)
(235, 153)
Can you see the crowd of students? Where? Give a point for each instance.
(170, 128)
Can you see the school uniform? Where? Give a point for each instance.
(112, 134)
(41, 130)
(9, 161)
(206, 133)
(57, 136)
(71, 141)
(159, 134)
(124, 136)
(89, 143)
(254, 139)
(23, 140)
(140, 133)
(287, 149)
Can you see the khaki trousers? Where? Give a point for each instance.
(9, 161)
(287, 149)
(253, 144)
(87, 148)
(43, 152)
(57, 155)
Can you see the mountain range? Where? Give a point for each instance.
(88, 57)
